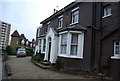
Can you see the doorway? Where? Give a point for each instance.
(49, 48)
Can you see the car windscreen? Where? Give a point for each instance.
(21, 49)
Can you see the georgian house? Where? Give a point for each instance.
(83, 35)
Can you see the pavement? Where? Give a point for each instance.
(23, 68)
(3, 73)
(0, 67)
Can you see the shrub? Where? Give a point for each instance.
(58, 63)
(71, 69)
(10, 50)
(37, 58)
(29, 51)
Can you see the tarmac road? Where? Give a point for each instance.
(23, 68)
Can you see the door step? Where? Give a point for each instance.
(43, 66)
(45, 63)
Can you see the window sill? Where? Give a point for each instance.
(59, 28)
(115, 57)
(74, 23)
(61, 55)
(106, 16)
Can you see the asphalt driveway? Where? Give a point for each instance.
(23, 68)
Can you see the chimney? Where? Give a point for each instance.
(54, 11)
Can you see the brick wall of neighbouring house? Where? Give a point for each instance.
(14, 41)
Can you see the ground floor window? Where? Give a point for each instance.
(40, 42)
(116, 50)
(71, 44)
(44, 45)
(74, 43)
(63, 43)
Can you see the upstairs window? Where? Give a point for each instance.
(107, 11)
(75, 15)
(60, 22)
(48, 26)
(38, 32)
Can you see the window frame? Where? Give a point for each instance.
(107, 9)
(48, 25)
(43, 45)
(60, 19)
(75, 12)
(116, 56)
(68, 49)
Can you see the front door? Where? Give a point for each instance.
(49, 50)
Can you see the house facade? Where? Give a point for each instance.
(18, 40)
(83, 35)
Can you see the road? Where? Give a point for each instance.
(23, 68)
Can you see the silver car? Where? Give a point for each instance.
(21, 52)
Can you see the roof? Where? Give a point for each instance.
(22, 36)
(73, 27)
(15, 34)
(60, 12)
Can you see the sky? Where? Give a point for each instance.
(26, 15)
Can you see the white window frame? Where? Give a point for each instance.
(23, 42)
(116, 56)
(75, 12)
(80, 45)
(107, 11)
(48, 25)
(63, 44)
(60, 22)
(38, 32)
(40, 45)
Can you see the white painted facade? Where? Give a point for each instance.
(54, 45)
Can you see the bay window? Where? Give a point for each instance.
(71, 44)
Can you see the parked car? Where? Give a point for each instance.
(21, 52)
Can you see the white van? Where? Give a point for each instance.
(21, 52)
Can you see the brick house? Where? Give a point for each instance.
(21, 41)
(84, 35)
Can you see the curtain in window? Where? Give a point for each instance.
(74, 44)
(63, 43)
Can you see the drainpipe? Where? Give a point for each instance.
(100, 34)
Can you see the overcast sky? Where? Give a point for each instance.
(26, 15)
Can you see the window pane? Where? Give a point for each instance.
(60, 21)
(73, 50)
(64, 39)
(74, 39)
(117, 47)
(44, 45)
(75, 16)
(63, 49)
(107, 11)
